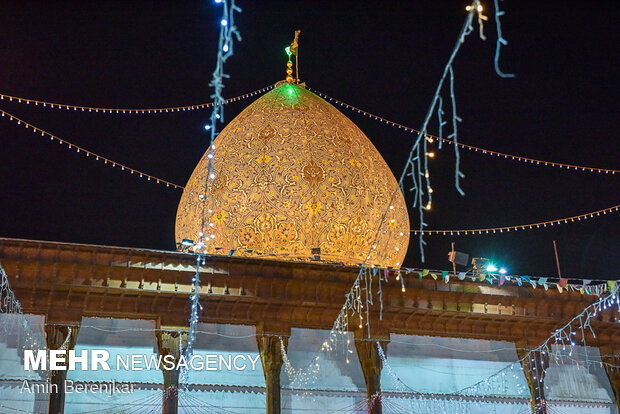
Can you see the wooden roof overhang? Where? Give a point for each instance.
(66, 282)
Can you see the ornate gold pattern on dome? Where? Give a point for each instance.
(294, 174)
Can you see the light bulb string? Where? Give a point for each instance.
(466, 146)
(521, 226)
(55, 105)
(88, 153)
(560, 334)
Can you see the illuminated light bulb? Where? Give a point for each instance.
(426, 174)
(491, 268)
(430, 154)
(502, 271)
(207, 127)
(213, 146)
(429, 139)
(430, 190)
(403, 289)
(480, 8)
(225, 48)
(209, 156)
(224, 22)
(428, 206)
(391, 207)
(212, 176)
(217, 116)
(213, 236)
(468, 8)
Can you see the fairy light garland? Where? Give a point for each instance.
(55, 105)
(228, 32)
(8, 301)
(9, 304)
(416, 167)
(568, 335)
(107, 161)
(300, 377)
(193, 321)
(430, 138)
(87, 153)
(531, 226)
(361, 291)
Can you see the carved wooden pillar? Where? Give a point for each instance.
(534, 368)
(613, 374)
(271, 358)
(56, 338)
(372, 365)
(171, 343)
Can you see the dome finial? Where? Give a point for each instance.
(293, 49)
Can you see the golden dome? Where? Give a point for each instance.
(293, 174)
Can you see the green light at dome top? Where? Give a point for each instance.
(288, 50)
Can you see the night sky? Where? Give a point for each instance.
(384, 57)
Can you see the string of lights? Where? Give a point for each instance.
(554, 347)
(360, 295)
(430, 138)
(9, 304)
(8, 301)
(107, 161)
(531, 226)
(566, 336)
(228, 33)
(87, 153)
(194, 318)
(55, 105)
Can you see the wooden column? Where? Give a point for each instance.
(534, 368)
(59, 337)
(171, 343)
(271, 358)
(372, 365)
(613, 374)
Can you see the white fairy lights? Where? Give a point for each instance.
(228, 31)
